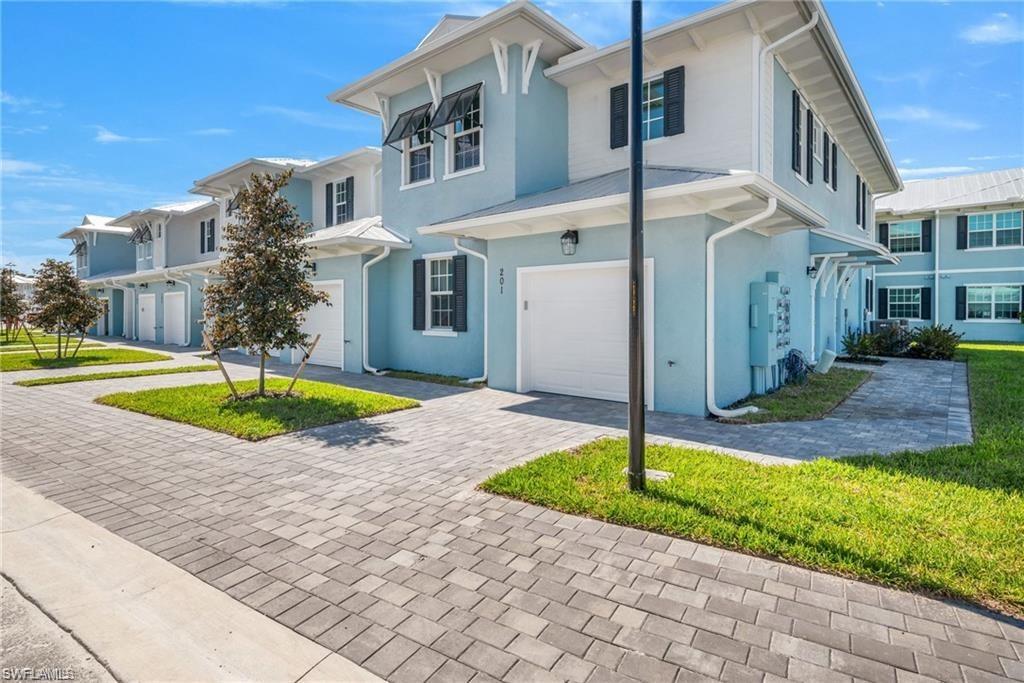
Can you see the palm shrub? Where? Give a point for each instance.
(934, 342)
(858, 345)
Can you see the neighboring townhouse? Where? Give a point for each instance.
(340, 198)
(26, 286)
(174, 247)
(961, 245)
(102, 253)
(504, 163)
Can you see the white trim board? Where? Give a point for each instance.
(1010, 269)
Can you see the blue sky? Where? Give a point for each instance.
(112, 107)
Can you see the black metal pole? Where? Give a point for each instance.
(637, 428)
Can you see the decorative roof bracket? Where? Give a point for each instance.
(434, 83)
(530, 52)
(501, 60)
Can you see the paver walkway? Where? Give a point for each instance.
(369, 538)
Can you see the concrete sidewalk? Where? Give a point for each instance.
(146, 618)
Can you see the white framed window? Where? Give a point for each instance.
(207, 236)
(440, 293)
(653, 109)
(419, 158)
(466, 137)
(144, 250)
(816, 139)
(341, 200)
(905, 302)
(993, 302)
(905, 237)
(999, 229)
(803, 140)
(82, 254)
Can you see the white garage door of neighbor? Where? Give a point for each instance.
(573, 330)
(147, 317)
(174, 318)
(329, 323)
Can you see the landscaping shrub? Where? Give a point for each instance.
(934, 342)
(890, 341)
(858, 345)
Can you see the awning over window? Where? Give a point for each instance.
(455, 106)
(408, 123)
(79, 248)
(140, 235)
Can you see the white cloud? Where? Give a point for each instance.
(25, 130)
(213, 131)
(105, 136)
(927, 116)
(998, 29)
(932, 171)
(311, 118)
(17, 167)
(31, 105)
(920, 77)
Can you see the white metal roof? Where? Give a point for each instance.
(219, 182)
(176, 209)
(93, 223)
(363, 232)
(1005, 186)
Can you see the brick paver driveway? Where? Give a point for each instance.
(369, 538)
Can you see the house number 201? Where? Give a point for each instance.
(501, 280)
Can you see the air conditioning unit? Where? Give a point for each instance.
(879, 325)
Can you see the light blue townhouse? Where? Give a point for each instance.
(102, 253)
(961, 245)
(340, 199)
(504, 170)
(173, 247)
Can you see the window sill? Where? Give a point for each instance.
(1008, 321)
(464, 172)
(801, 178)
(1008, 247)
(909, 253)
(420, 183)
(440, 333)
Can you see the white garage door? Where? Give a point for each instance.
(147, 317)
(174, 318)
(574, 330)
(329, 323)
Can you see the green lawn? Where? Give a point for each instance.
(11, 362)
(948, 521)
(810, 401)
(21, 348)
(210, 406)
(38, 337)
(449, 380)
(115, 374)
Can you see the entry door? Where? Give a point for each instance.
(147, 317)
(329, 323)
(574, 336)
(101, 323)
(174, 318)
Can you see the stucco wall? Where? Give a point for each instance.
(181, 235)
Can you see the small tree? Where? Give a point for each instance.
(62, 306)
(12, 304)
(263, 294)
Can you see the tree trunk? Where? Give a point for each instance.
(33, 342)
(80, 340)
(58, 342)
(263, 373)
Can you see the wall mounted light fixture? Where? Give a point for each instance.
(570, 239)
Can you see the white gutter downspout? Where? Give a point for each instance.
(760, 70)
(131, 334)
(366, 310)
(482, 257)
(188, 302)
(709, 309)
(935, 248)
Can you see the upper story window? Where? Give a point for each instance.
(232, 206)
(341, 200)
(653, 109)
(440, 279)
(1001, 229)
(142, 238)
(993, 302)
(207, 236)
(905, 237)
(460, 114)
(412, 129)
(816, 141)
(802, 131)
(81, 253)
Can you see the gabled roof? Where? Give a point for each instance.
(94, 223)
(1005, 186)
(448, 23)
(165, 211)
(219, 183)
(519, 21)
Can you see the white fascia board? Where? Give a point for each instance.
(880, 249)
(484, 24)
(363, 156)
(209, 181)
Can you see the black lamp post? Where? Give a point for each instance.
(637, 428)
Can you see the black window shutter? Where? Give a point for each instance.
(419, 294)
(864, 203)
(883, 303)
(835, 166)
(460, 323)
(809, 152)
(883, 234)
(856, 192)
(868, 284)
(675, 100)
(211, 234)
(619, 116)
(926, 235)
(796, 131)
(350, 198)
(202, 237)
(961, 303)
(961, 234)
(826, 161)
(328, 205)
(926, 303)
